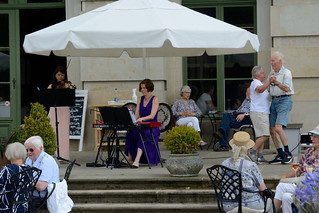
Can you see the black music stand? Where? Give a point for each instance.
(54, 98)
(116, 118)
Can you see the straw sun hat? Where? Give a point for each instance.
(242, 139)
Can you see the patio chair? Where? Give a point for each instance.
(165, 116)
(22, 186)
(228, 187)
(42, 202)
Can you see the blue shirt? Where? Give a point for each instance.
(49, 167)
(244, 107)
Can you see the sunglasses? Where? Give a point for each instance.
(31, 150)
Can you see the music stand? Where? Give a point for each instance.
(117, 118)
(54, 98)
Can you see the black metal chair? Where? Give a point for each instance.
(68, 171)
(22, 186)
(228, 187)
(41, 202)
(165, 116)
(244, 127)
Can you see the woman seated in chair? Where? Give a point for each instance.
(146, 111)
(250, 173)
(186, 111)
(15, 153)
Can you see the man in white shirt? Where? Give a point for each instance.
(281, 89)
(259, 112)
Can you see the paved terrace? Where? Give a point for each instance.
(271, 173)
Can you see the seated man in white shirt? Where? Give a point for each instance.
(38, 158)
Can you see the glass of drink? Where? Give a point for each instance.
(295, 165)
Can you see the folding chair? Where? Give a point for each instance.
(228, 187)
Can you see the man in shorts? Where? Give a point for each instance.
(259, 113)
(281, 89)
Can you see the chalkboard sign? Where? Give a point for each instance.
(77, 116)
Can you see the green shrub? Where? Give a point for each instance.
(182, 140)
(38, 123)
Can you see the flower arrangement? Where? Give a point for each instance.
(182, 140)
(308, 191)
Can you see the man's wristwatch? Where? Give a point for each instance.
(276, 84)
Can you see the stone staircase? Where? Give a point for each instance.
(142, 196)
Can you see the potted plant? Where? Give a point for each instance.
(38, 123)
(15, 137)
(184, 160)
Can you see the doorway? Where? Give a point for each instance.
(36, 70)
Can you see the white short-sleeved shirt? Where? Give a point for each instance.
(49, 167)
(283, 76)
(201, 103)
(259, 102)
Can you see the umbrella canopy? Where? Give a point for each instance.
(152, 28)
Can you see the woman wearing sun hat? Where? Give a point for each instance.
(250, 173)
(310, 159)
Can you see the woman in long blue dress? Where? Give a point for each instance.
(146, 111)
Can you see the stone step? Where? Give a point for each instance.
(145, 208)
(172, 183)
(143, 196)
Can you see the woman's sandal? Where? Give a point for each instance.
(135, 165)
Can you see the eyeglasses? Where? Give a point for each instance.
(314, 136)
(31, 150)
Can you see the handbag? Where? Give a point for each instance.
(59, 201)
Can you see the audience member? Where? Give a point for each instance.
(281, 89)
(16, 154)
(310, 159)
(205, 102)
(233, 120)
(38, 158)
(146, 110)
(259, 113)
(186, 111)
(250, 173)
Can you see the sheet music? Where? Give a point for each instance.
(132, 117)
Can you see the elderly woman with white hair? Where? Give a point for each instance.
(250, 173)
(186, 111)
(16, 154)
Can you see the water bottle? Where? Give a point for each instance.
(116, 95)
(134, 97)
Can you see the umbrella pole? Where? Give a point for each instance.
(144, 62)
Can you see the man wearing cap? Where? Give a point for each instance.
(310, 159)
(281, 89)
(251, 175)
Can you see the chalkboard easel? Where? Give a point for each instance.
(77, 116)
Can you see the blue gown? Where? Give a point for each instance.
(133, 140)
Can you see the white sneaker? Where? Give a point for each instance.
(202, 143)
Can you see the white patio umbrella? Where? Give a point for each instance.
(142, 28)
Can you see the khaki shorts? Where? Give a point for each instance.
(260, 121)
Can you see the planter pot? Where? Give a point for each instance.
(184, 165)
